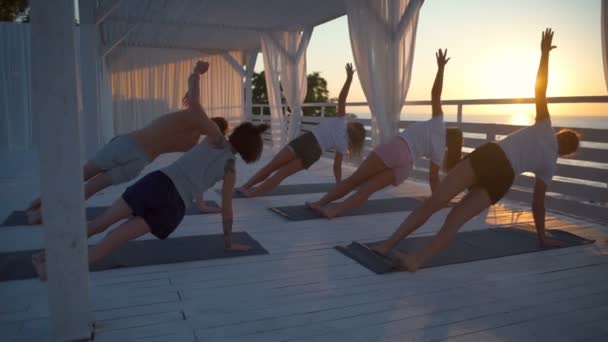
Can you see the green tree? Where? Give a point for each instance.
(10, 10)
(317, 92)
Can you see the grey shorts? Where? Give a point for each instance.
(122, 158)
(307, 149)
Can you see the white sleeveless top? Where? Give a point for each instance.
(199, 169)
(532, 149)
(331, 134)
(426, 139)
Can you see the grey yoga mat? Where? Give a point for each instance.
(292, 189)
(375, 206)
(18, 265)
(19, 217)
(466, 247)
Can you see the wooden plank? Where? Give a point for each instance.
(581, 191)
(581, 172)
(54, 105)
(590, 154)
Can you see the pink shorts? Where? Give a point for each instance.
(396, 155)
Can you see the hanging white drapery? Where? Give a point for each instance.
(293, 76)
(383, 35)
(272, 60)
(15, 86)
(286, 68)
(149, 82)
(605, 39)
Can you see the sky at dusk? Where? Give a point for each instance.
(494, 46)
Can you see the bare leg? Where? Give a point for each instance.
(118, 211)
(276, 179)
(89, 170)
(460, 178)
(377, 182)
(127, 231)
(284, 156)
(371, 166)
(470, 206)
(96, 184)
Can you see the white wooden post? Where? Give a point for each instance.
(90, 78)
(251, 58)
(54, 105)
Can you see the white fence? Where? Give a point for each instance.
(580, 186)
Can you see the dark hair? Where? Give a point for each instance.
(453, 142)
(567, 141)
(247, 140)
(221, 123)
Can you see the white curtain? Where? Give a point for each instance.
(383, 35)
(285, 66)
(148, 82)
(272, 61)
(15, 86)
(293, 77)
(605, 39)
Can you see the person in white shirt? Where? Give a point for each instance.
(392, 162)
(488, 173)
(330, 134)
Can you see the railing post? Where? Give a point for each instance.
(323, 110)
(459, 113)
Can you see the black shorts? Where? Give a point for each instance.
(493, 171)
(307, 149)
(155, 199)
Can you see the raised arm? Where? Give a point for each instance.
(542, 77)
(345, 88)
(192, 96)
(438, 84)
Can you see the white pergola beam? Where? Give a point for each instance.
(55, 109)
(303, 43)
(101, 14)
(234, 63)
(109, 47)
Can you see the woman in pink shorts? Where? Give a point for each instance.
(392, 162)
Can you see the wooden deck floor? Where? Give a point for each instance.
(306, 291)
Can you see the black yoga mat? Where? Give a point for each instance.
(293, 189)
(19, 217)
(466, 247)
(375, 206)
(18, 265)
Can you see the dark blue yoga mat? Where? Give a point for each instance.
(466, 247)
(292, 189)
(18, 265)
(19, 217)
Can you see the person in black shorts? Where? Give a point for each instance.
(488, 173)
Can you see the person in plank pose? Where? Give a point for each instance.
(488, 173)
(391, 163)
(301, 153)
(125, 156)
(157, 202)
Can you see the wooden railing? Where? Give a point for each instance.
(580, 186)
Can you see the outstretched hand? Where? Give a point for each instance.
(349, 70)
(201, 67)
(546, 41)
(441, 57)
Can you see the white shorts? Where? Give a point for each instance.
(122, 158)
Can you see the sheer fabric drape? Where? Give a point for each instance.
(383, 35)
(148, 82)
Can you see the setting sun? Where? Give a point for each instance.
(521, 119)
